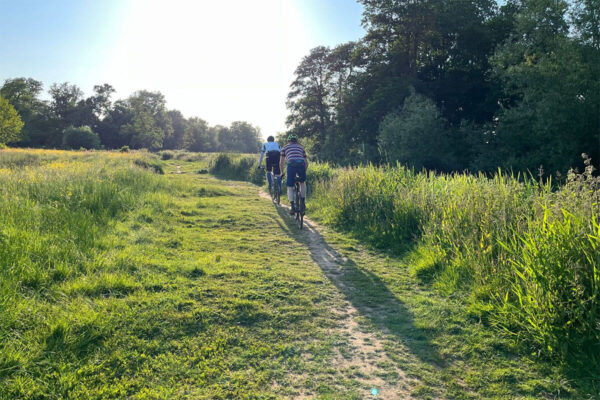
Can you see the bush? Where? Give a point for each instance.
(153, 165)
(238, 167)
(166, 155)
(416, 136)
(80, 137)
(124, 149)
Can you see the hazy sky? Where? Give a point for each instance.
(221, 60)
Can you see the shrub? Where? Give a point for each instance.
(80, 137)
(416, 136)
(124, 149)
(154, 165)
(238, 167)
(166, 155)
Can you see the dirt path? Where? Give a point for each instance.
(366, 357)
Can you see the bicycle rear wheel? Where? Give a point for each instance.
(276, 192)
(299, 212)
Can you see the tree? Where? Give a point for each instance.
(416, 136)
(91, 110)
(80, 137)
(10, 122)
(247, 137)
(240, 137)
(149, 123)
(64, 103)
(23, 94)
(309, 100)
(179, 125)
(109, 128)
(198, 136)
(143, 131)
(550, 93)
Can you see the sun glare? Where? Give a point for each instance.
(219, 60)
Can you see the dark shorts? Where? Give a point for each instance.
(273, 162)
(296, 168)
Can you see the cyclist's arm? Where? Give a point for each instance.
(262, 153)
(282, 163)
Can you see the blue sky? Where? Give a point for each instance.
(219, 60)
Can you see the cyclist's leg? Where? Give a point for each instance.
(277, 173)
(268, 168)
(290, 180)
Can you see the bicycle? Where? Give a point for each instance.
(274, 190)
(300, 204)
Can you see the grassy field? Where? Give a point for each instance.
(119, 281)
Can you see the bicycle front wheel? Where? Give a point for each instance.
(276, 191)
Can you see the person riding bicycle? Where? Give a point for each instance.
(272, 150)
(294, 157)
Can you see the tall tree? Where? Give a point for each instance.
(309, 100)
(547, 116)
(64, 104)
(198, 136)
(175, 140)
(417, 136)
(150, 123)
(248, 137)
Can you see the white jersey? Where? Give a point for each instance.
(268, 148)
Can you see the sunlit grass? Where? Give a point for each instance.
(522, 255)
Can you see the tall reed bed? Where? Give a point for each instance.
(525, 257)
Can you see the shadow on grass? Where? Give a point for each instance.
(365, 291)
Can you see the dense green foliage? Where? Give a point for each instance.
(80, 137)
(513, 85)
(140, 121)
(10, 122)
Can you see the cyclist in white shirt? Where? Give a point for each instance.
(272, 150)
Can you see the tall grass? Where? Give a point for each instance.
(238, 167)
(54, 208)
(524, 256)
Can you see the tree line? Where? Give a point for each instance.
(71, 120)
(456, 85)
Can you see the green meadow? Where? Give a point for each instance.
(142, 276)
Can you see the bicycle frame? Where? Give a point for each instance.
(300, 210)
